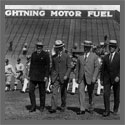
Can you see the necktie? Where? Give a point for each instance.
(85, 57)
(59, 55)
(110, 57)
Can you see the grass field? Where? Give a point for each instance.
(17, 108)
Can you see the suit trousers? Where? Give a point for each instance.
(63, 89)
(116, 92)
(81, 90)
(42, 92)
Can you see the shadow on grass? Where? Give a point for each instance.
(49, 108)
(74, 109)
(28, 107)
(99, 111)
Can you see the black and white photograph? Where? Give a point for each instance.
(62, 62)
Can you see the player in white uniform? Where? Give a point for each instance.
(9, 72)
(19, 73)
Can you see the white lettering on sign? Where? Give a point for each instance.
(60, 13)
(8, 13)
(66, 13)
(24, 13)
(99, 14)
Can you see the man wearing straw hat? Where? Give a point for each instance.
(38, 74)
(110, 76)
(61, 68)
(87, 69)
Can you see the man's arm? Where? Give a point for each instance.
(47, 65)
(96, 69)
(69, 66)
(77, 70)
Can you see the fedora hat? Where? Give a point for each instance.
(87, 43)
(58, 44)
(39, 44)
(113, 43)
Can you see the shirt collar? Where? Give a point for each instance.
(87, 54)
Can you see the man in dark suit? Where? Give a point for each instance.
(110, 75)
(38, 74)
(61, 68)
(87, 70)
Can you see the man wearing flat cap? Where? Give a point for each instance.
(61, 68)
(110, 75)
(87, 69)
(38, 74)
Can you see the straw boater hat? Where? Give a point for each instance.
(102, 43)
(58, 44)
(39, 44)
(87, 43)
(113, 43)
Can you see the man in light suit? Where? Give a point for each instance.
(87, 70)
(61, 68)
(110, 75)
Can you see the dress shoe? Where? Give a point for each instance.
(115, 113)
(41, 110)
(105, 114)
(14, 89)
(32, 110)
(22, 91)
(62, 109)
(72, 93)
(97, 94)
(80, 112)
(52, 111)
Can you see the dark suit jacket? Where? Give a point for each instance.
(110, 70)
(60, 67)
(39, 67)
(90, 68)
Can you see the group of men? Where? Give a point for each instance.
(88, 70)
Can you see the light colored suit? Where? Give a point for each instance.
(86, 70)
(90, 68)
(61, 66)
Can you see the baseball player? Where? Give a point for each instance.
(19, 73)
(9, 72)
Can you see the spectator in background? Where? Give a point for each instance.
(9, 72)
(26, 75)
(38, 75)
(25, 49)
(11, 46)
(19, 68)
(99, 86)
(72, 76)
